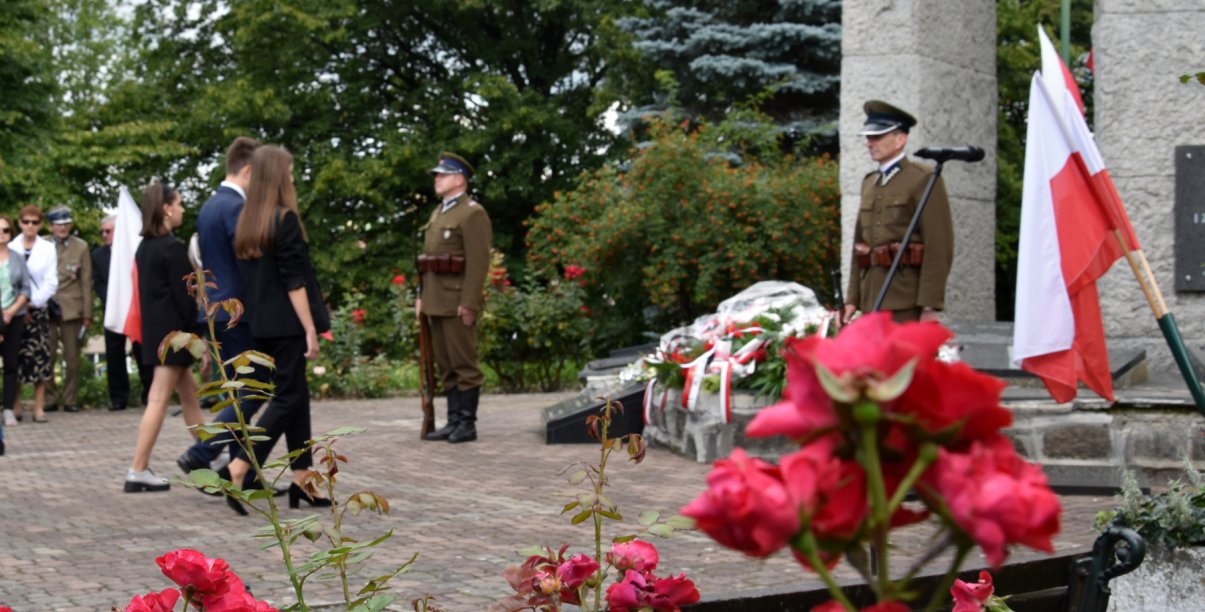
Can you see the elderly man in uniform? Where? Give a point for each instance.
(74, 295)
(454, 264)
(890, 195)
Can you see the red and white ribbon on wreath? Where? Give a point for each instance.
(695, 372)
(648, 400)
(741, 362)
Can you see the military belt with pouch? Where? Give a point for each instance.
(441, 264)
(884, 254)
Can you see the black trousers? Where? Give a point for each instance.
(116, 373)
(8, 352)
(289, 411)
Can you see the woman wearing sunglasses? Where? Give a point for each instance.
(42, 262)
(14, 295)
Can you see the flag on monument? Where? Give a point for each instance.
(1071, 222)
(122, 314)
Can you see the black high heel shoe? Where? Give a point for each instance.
(231, 501)
(296, 494)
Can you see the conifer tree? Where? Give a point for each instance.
(703, 58)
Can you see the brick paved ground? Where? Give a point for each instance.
(70, 539)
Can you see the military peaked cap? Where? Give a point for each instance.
(882, 118)
(451, 163)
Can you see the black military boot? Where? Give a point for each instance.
(466, 430)
(453, 417)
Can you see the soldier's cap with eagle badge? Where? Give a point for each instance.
(882, 118)
(451, 163)
(59, 215)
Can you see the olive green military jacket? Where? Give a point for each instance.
(465, 231)
(883, 217)
(75, 278)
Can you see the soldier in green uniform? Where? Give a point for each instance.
(454, 264)
(890, 195)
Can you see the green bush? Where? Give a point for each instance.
(1174, 518)
(691, 219)
(372, 347)
(533, 335)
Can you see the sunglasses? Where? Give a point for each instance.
(30, 221)
(105, 231)
(6, 230)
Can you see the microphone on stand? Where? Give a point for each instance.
(944, 154)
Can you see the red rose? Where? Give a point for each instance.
(573, 574)
(399, 280)
(869, 350)
(235, 600)
(189, 568)
(357, 316)
(944, 396)
(972, 597)
(639, 591)
(996, 497)
(746, 506)
(572, 272)
(163, 601)
(830, 493)
(633, 555)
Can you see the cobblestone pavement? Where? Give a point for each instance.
(70, 539)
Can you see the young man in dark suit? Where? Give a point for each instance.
(215, 233)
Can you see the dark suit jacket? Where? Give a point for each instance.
(267, 280)
(215, 232)
(100, 271)
(162, 263)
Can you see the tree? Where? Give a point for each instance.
(26, 107)
(705, 57)
(365, 94)
(1018, 56)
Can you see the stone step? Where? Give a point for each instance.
(987, 347)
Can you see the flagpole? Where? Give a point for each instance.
(1145, 278)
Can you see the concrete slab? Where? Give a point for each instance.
(70, 539)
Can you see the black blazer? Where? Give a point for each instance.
(267, 281)
(162, 263)
(101, 257)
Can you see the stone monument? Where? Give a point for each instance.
(937, 60)
(1143, 113)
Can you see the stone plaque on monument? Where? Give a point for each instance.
(1190, 218)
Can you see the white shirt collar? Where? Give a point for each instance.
(451, 201)
(240, 191)
(895, 160)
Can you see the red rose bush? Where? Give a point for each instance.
(549, 579)
(205, 585)
(877, 415)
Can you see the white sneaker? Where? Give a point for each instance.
(222, 461)
(9, 417)
(146, 480)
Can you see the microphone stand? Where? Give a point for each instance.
(895, 263)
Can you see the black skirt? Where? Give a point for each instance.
(33, 358)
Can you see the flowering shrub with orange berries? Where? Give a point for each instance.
(680, 225)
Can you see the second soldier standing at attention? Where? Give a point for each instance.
(454, 264)
(890, 197)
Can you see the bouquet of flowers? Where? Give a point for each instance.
(877, 415)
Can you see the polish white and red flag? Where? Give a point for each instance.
(1073, 227)
(122, 314)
